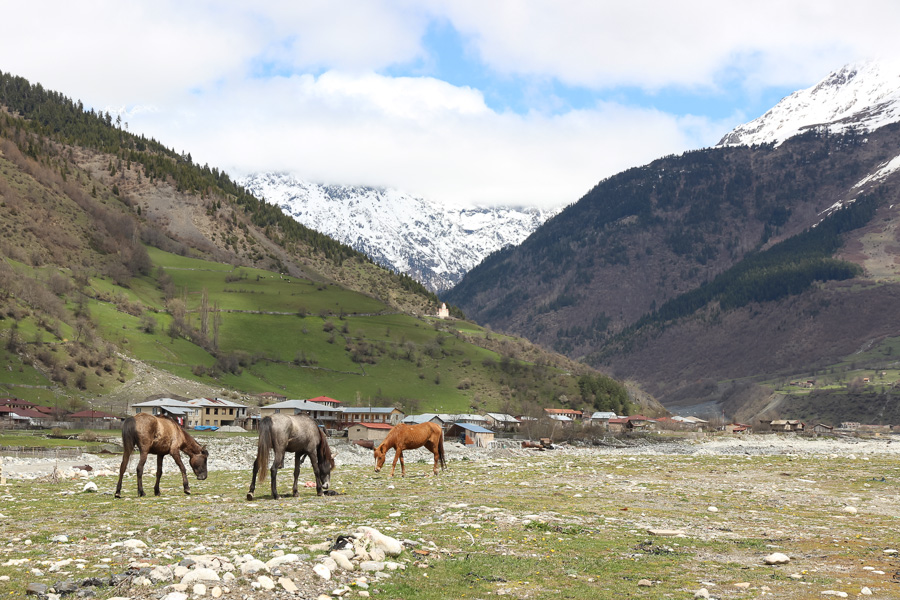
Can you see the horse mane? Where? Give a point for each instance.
(324, 450)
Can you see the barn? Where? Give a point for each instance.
(470, 434)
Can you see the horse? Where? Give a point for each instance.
(159, 436)
(407, 437)
(292, 433)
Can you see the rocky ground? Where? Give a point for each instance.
(670, 519)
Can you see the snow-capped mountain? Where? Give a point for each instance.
(434, 244)
(862, 95)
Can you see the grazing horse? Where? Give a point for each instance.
(292, 433)
(407, 437)
(159, 436)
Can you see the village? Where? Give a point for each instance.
(368, 425)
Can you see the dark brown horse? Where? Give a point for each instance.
(407, 437)
(292, 433)
(159, 436)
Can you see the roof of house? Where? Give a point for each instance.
(22, 412)
(603, 415)
(562, 411)
(374, 425)
(560, 417)
(215, 402)
(375, 410)
(473, 428)
(425, 417)
(503, 418)
(165, 402)
(92, 414)
(302, 405)
(469, 417)
(324, 399)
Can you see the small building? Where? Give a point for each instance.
(442, 420)
(823, 428)
(470, 435)
(737, 428)
(95, 418)
(326, 415)
(15, 416)
(218, 412)
(575, 415)
(601, 418)
(502, 421)
(372, 432)
(443, 311)
(269, 397)
(351, 415)
(470, 418)
(788, 425)
(184, 414)
(326, 401)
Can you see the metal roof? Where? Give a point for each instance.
(473, 428)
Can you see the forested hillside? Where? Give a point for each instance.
(655, 272)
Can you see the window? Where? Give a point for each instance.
(230, 411)
(207, 412)
(215, 411)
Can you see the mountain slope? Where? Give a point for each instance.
(626, 277)
(862, 96)
(433, 244)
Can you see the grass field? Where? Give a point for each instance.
(567, 524)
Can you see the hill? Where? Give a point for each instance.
(130, 271)
(704, 275)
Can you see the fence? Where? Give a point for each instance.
(44, 452)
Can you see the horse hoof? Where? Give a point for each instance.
(187, 492)
(295, 494)
(118, 495)
(249, 496)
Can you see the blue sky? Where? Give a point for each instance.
(461, 101)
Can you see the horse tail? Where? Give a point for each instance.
(441, 455)
(263, 447)
(129, 434)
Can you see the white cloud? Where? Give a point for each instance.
(304, 86)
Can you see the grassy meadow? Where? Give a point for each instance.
(549, 525)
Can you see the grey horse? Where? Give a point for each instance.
(292, 433)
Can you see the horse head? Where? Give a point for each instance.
(198, 463)
(379, 458)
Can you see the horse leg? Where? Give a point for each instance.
(140, 473)
(298, 460)
(159, 463)
(314, 463)
(253, 479)
(184, 479)
(435, 451)
(279, 460)
(126, 457)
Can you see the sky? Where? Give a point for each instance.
(465, 102)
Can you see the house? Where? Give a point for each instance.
(373, 432)
(563, 420)
(218, 412)
(443, 311)
(469, 418)
(633, 423)
(601, 418)
(269, 397)
(440, 419)
(350, 415)
(20, 416)
(575, 415)
(327, 415)
(822, 428)
(737, 428)
(502, 421)
(95, 419)
(470, 435)
(326, 401)
(186, 415)
(783, 424)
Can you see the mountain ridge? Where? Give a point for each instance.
(432, 243)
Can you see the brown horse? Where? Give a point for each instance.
(408, 437)
(292, 433)
(159, 436)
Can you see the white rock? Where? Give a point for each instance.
(89, 487)
(228, 577)
(701, 593)
(288, 585)
(777, 558)
(62, 539)
(266, 582)
(834, 593)
(850, 510)
(133, 544)
(280, 560)
(322, 571)
(865, 591)
(712, 509)
(200, 575)
(199, 589)
(161, 573)
(252, 566)
(175, 596)
(371, 565)
(216, 592)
